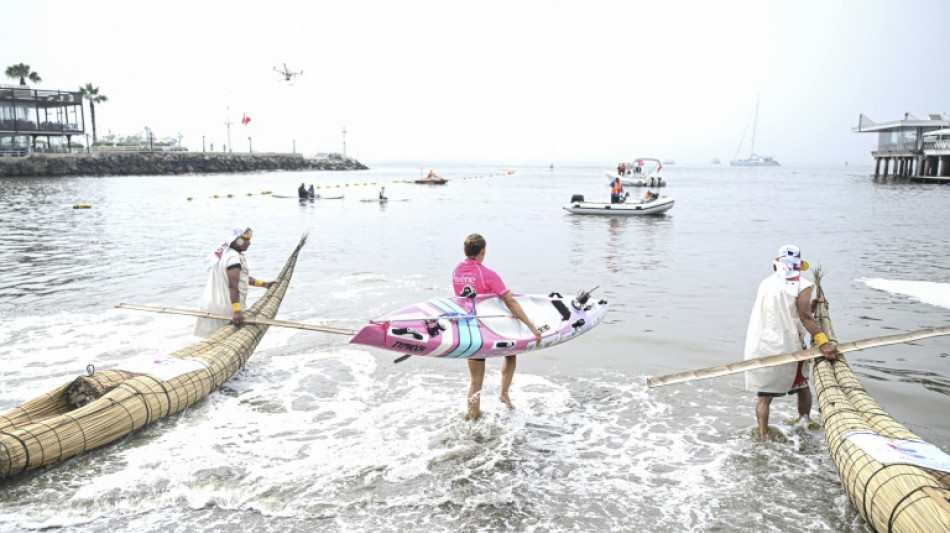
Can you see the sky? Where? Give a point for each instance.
(498, 82)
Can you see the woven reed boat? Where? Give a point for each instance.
(94, 410)
(892, 497)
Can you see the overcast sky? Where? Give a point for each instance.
(498, 82)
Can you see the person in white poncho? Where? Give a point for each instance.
(226, 291)
(780, 317)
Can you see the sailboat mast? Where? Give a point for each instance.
(755, 122)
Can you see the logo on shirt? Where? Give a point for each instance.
(464, 280)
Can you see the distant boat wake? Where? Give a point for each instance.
(927, 292)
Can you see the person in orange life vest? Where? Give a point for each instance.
(615, 190)
(471, 273)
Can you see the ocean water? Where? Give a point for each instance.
(315, 434)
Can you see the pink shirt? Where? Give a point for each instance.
(482, 279)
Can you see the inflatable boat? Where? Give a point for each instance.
(658, 206)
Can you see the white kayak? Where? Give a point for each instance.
(384, 200)
(655, 207)
(317, 197)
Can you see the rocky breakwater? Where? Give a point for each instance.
(158, 163)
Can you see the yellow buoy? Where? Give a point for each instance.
(230, 195)
(250, 194)
(215, 196)
(189, 198)
(82, 206)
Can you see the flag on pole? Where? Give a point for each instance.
(245, 119)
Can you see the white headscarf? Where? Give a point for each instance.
(233, 235)
(789, 267)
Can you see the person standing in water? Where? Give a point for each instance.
(471, 273)
(780, 317)
(226, 290)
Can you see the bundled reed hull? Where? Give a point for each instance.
(892, 498)
(48, 429)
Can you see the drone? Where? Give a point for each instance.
(287, 73)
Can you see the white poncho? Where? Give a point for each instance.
(217, 296)
(774, 328)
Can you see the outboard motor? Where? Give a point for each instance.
(577, 198)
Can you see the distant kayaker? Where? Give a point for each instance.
(780, 316)
(226, 290)
(471, 273)
(302, 191)
(382, 193)
(310, 192)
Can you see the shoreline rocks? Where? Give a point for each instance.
(162, 163)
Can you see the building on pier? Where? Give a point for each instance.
(915, 146)
(27, 114)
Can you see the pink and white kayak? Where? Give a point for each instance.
(479, 327)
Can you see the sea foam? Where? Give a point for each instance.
(927, 292)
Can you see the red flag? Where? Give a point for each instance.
(245, 119)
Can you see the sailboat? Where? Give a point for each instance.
(754, 160)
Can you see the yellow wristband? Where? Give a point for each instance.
(820, 338)
(236, 307)
(258, 283)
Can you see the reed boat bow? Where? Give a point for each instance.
(103, 407)
(890, 497)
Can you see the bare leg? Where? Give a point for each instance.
(804, 407)
(507, 374)
(762, 416)
(804, 402)
(477, 371)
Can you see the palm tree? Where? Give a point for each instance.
(92, 94)
(22, 71)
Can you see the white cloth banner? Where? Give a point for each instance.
(897, 451)
(164, 368)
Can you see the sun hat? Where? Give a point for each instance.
(788, 263)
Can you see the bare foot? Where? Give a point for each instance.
(507, 401)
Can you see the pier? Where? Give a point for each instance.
(911, 148)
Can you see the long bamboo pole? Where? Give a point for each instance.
(248, 320)
(780, 359)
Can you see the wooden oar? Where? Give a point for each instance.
(774, 360)
(248, 320)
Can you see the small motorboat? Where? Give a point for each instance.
(642, 172)
(657, 206)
